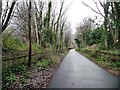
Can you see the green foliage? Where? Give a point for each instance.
(36, 48)
(19, 68)
(101, 46)
(13, 43)
(93, 36)
(10, 78)
(102, 59)
(43, 64)
(49, 36)
(99, 58)
(115, 64)
(9, 74)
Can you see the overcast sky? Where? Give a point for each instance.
(78, 11)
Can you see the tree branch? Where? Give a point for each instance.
(93, 9)
(9, 15)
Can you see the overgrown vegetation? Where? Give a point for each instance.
(9, 74)
(42, 28)
(16, 70)
(43, 64)
(37, 39)
(21, 73)
(105, 35)
(13, 43)
(101, 41)
(108, 60)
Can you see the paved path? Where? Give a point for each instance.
(76, 71)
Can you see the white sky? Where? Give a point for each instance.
(78, 11)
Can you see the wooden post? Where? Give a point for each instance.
(29, 27)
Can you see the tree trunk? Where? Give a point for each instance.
(106, 8)
(36, 29)
(117, 7)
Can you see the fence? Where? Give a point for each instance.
(12, 60)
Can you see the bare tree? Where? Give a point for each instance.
(36, 29)
(7, 14)
(67, 35)
(87, 24)
(21, 20)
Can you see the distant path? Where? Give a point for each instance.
(76, 71)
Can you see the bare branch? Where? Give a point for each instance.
(8, 16)
(93, 9)
(4, 15)
(98, 8)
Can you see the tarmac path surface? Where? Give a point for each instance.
(76, 71)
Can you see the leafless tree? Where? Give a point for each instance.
(7, 14)
(87, 24)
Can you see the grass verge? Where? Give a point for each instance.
(108, 62)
